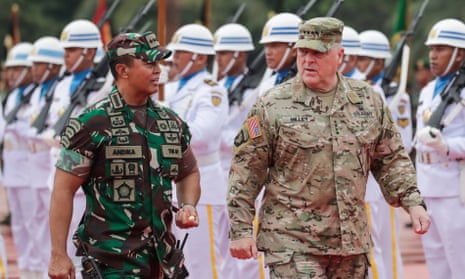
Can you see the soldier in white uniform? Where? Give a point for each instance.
(441, 152)
(232, 44)
(80, 40)
(16, 179)
(375, 50)
(203, 104)
(3, 259)
(278, 37)
(47, 60)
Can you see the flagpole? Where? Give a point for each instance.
(161, 32)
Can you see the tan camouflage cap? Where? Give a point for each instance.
(141, 46)
(320, 33)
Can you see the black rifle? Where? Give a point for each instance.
(391, 70)
(173, 265)
(96, 78)
(293, 69)
(257, 68)
(40, 121)
(90, 269)
(25, 99)
(449, 95)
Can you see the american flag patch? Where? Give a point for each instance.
(253, 127)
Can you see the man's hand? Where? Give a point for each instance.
(432, 137)
(420, 219)
(187, 217)
(61, 266)
(244, 248)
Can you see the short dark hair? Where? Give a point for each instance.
(125, 59)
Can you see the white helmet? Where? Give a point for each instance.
(450, 32)
(233, 37)
(374, 44)
(18, 55)
(350, 41)
(283, 27)
(81, 33)
(194, 38)
(47, 49)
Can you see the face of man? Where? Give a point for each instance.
(274, 53)
(72, 55)
(318, 69)
(439, 57)
(182, 58)
(350, 62)
(40, 68)
(15, 72)
(363, 62)
(142, 76)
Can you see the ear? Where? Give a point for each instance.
(460, 55)
(340, 56)
(121, 69)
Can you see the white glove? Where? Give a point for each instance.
(432, 137)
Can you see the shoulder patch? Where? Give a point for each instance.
(210, 82)
(253, 126)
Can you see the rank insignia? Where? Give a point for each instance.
(354, 98)
(402, 122)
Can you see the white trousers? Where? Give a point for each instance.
(207, 247)
(444, 244)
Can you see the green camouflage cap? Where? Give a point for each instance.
(141, 46)
(320, 33)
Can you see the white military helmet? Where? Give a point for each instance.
(283, 27)
(374, 44)
(194, 38)
(47, 49)
(233, 37)
(350, 41)
(18, 55)
(81, 33)
(450, 32)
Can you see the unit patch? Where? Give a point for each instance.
(124, 190)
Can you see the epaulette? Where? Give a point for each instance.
(210, 82)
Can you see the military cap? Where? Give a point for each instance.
(320, 33)
(141, 46)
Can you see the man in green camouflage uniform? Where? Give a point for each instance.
(311, 142)
(125, 151)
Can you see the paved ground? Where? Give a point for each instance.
(412, 251)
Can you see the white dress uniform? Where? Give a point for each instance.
(60, 102)
(39, 170)
(16, 179)
(386, 258)
(203, 104)
(250, 268)
(3, 259)
(439, 180)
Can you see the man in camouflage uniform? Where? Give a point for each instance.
(125, 151)
(311, 143)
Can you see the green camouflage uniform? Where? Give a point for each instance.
(129, 164)
(314, 169)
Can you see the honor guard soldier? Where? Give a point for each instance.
(15, 153)
(232, 43)
(440, 146)
(47, 60)
(385, 221)
(80, 40)
(125, 151)
(203, 104)
(352, 47)
(278, 37)
(309, 143)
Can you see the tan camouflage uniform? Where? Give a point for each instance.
(314, 168)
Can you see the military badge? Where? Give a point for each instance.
(216, 98)
(401, 109)
(427, 115)
(241, 137)
(124, 190)
(402, 122)
(354, 98)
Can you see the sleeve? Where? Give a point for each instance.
(251, 160)
(391, 159)
(77, 149)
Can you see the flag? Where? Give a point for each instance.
(105, 29)
(402, 20)
(13, 36)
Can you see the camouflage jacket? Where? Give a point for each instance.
(129, 170)
(314, 169)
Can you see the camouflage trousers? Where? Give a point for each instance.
(306, 266)
(130, 271)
